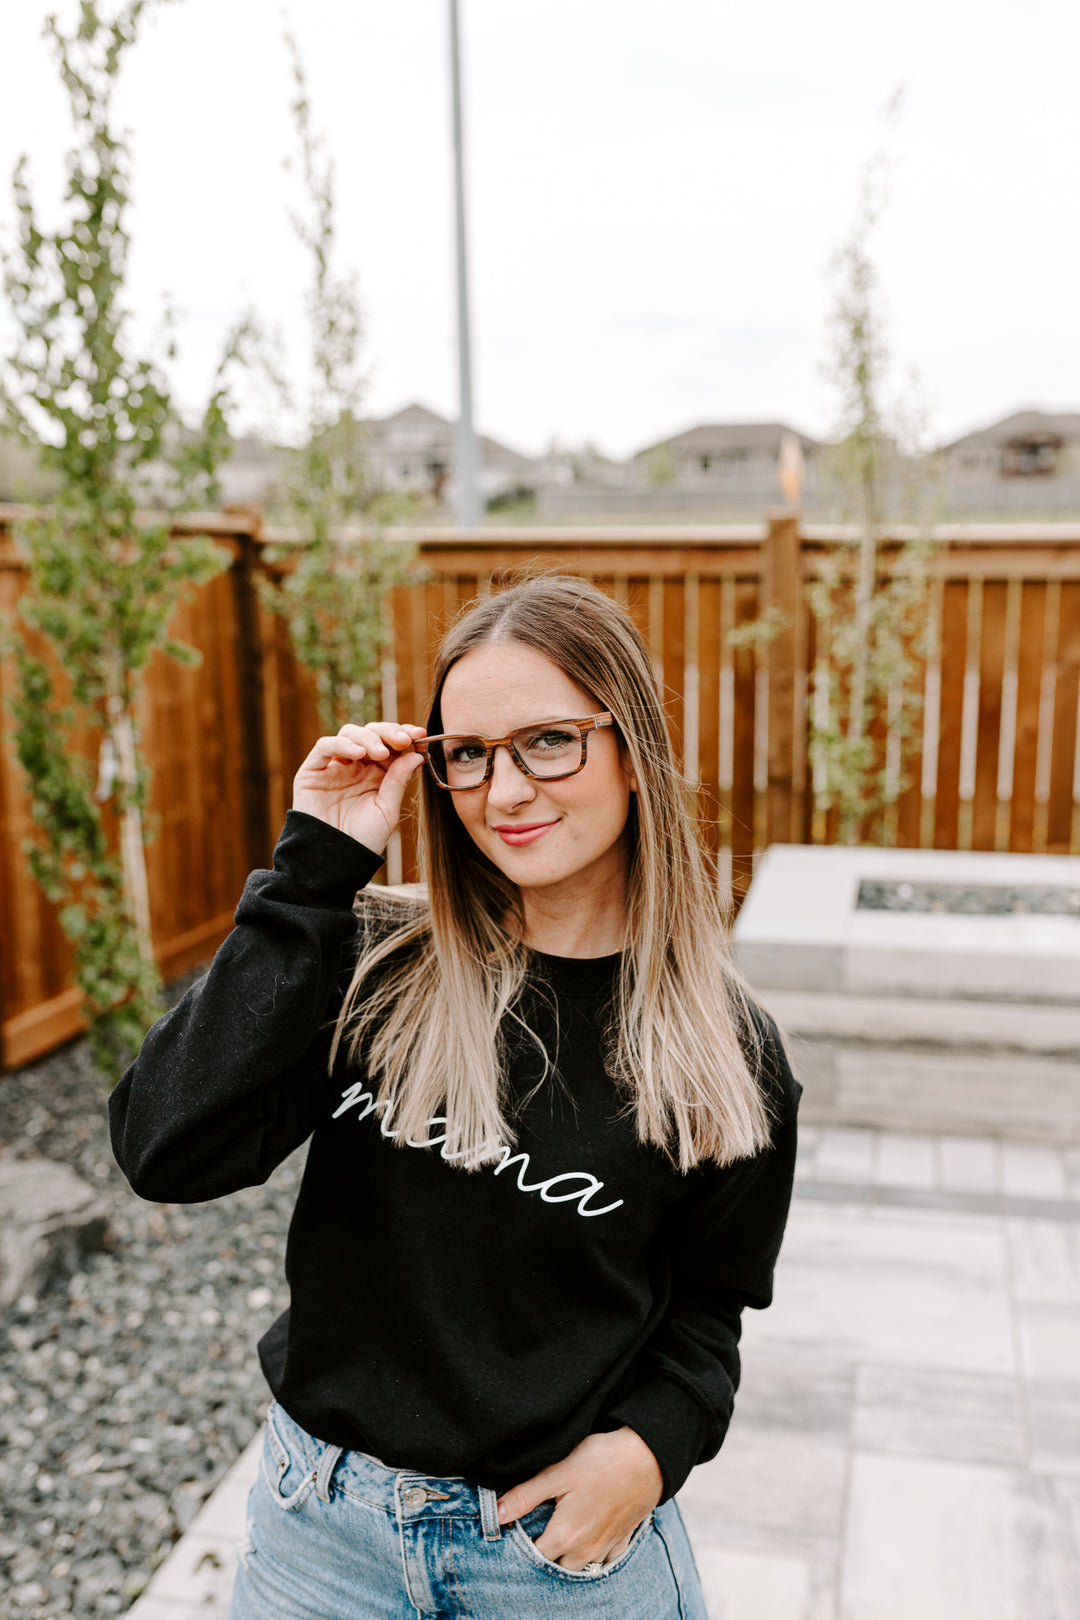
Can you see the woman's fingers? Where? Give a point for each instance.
(603, 1490)
(376, 742)
(515, 1503)
(391, 792)
(356, 779)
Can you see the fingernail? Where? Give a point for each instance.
(504, 1513)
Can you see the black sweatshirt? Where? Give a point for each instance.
(477, 1323)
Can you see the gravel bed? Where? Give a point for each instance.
(129, 1387)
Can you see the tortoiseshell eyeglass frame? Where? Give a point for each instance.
(592, 722)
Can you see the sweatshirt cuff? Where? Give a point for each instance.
(324, 866)
(674, 1425)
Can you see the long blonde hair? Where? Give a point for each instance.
(437, 983)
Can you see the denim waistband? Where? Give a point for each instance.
(405, 1492)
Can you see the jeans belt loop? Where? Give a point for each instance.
(324, 1473)
(489, 1514)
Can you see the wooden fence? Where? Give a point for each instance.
(993, 765)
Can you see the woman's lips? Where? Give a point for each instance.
(525, 834)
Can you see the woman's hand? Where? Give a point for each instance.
(603, 1490)
(356, 781)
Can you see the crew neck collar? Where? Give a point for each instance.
(577, 972)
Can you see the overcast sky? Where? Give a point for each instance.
(655, 193)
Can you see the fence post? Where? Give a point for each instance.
(780, 593)
(258, 836)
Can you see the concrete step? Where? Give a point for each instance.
(1014, 1026)
(940, 1089)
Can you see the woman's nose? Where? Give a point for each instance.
(509, 785)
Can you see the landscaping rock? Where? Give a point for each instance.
(49, 1221)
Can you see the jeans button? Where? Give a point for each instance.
(414, 1497)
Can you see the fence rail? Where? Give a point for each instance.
(993, 764)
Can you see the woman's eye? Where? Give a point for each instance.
(550, 741)
(466, 753)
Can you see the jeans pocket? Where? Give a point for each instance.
(288, 1471)
(527, 1530)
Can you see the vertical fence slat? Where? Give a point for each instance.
(954, 615)
(1028, 693)
(742, 787)
(709, 657)
(1059, 820)
(780, 590)
(984, 816)
(909, 804)
(674, 661)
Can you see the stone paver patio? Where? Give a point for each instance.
(906, 1444)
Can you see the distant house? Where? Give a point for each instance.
(414, 451)
(720, 457)
(724, 469)
(1030, 461)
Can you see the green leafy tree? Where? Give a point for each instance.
(103, 576)
(333, 581)
(864, 697)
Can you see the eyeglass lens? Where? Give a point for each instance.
(552, 750)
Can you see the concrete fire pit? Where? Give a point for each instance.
(923, 989)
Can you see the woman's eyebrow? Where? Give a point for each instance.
(524, 725)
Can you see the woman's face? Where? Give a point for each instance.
(540, 834)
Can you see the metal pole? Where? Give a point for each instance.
(468, 488)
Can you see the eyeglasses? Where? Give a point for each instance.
(549, 750)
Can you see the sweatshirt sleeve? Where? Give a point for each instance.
(725, 1246)
(234, 1077)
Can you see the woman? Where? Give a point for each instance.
(552, 1152)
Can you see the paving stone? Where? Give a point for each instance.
(769, 1491)
(795, 1389)
(1072, 1170)
(929, 1412)
(1053, 1407)
(806, 1159)
(845, 1155)
(969, 1163)
(897, 1286)
(906, 1160)
(740, 1585)
(1050, 1341)
(1029, 1169)
(1045, 1259)
(955, 1541)
(1067, 1502)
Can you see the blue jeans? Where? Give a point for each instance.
(333, 1535)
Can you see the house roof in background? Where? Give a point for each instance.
(1022, 424)
(716, 437)
(443, 426)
